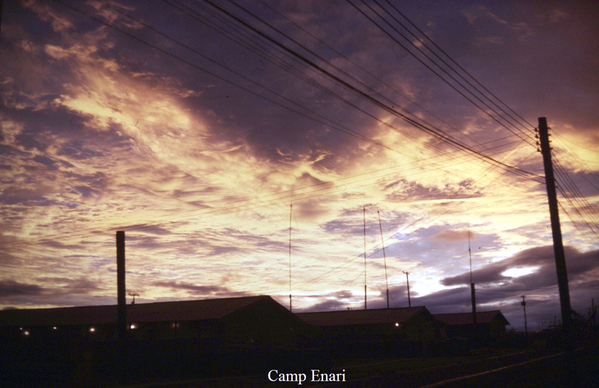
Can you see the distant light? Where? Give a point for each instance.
(133, 327)
(20, 328)
(396, 324)
(92, 329)
(54, 328)
(26, 332)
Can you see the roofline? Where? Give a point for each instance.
(259, 297)
(353, 311)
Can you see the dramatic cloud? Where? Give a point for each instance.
(540, 260)
(10, 288)
(239, 166)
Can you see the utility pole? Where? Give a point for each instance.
(408, 281)
(523, 303)
(121, 290)
(365, 295)
(558, 249)
(122, 303)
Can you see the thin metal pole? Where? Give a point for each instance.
(408, 281)
(523, 303)
(472, 289)
(384, 257)
(470, 255)
(290, 298)
(365, 293)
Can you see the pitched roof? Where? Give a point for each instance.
(146, 312)
(361, 317)
(466, 318)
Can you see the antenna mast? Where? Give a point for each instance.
(290, 214)
(365, 297)
(470, 255)
(472, 291)
(384, 257)
(408, 281)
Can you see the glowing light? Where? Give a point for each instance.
(396, 324)
(92, 329)
(521, 271)
(133, 326)
(26, 332)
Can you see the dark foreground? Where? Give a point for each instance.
(523, 368)
(530, 364)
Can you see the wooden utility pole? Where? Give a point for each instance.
(558, 247)
(560, 257)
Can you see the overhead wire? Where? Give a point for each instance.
(379, 80)
(434, 131)
(508, 107)
(241, 205)
(493, 165)
(195, 16)
(579, 160)
(285, 66)
(116, 28)
(577, 208)
(573, 191)
(463, 70)
(284, 47)
(338, 69)
(374, 249)
(469, 99)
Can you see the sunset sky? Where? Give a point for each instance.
(202, 128)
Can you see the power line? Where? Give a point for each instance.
(433, 131)
(459, 66)
(435, 72)
(274, 199)
(135, 37)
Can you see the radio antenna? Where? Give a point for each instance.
(384, 257)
